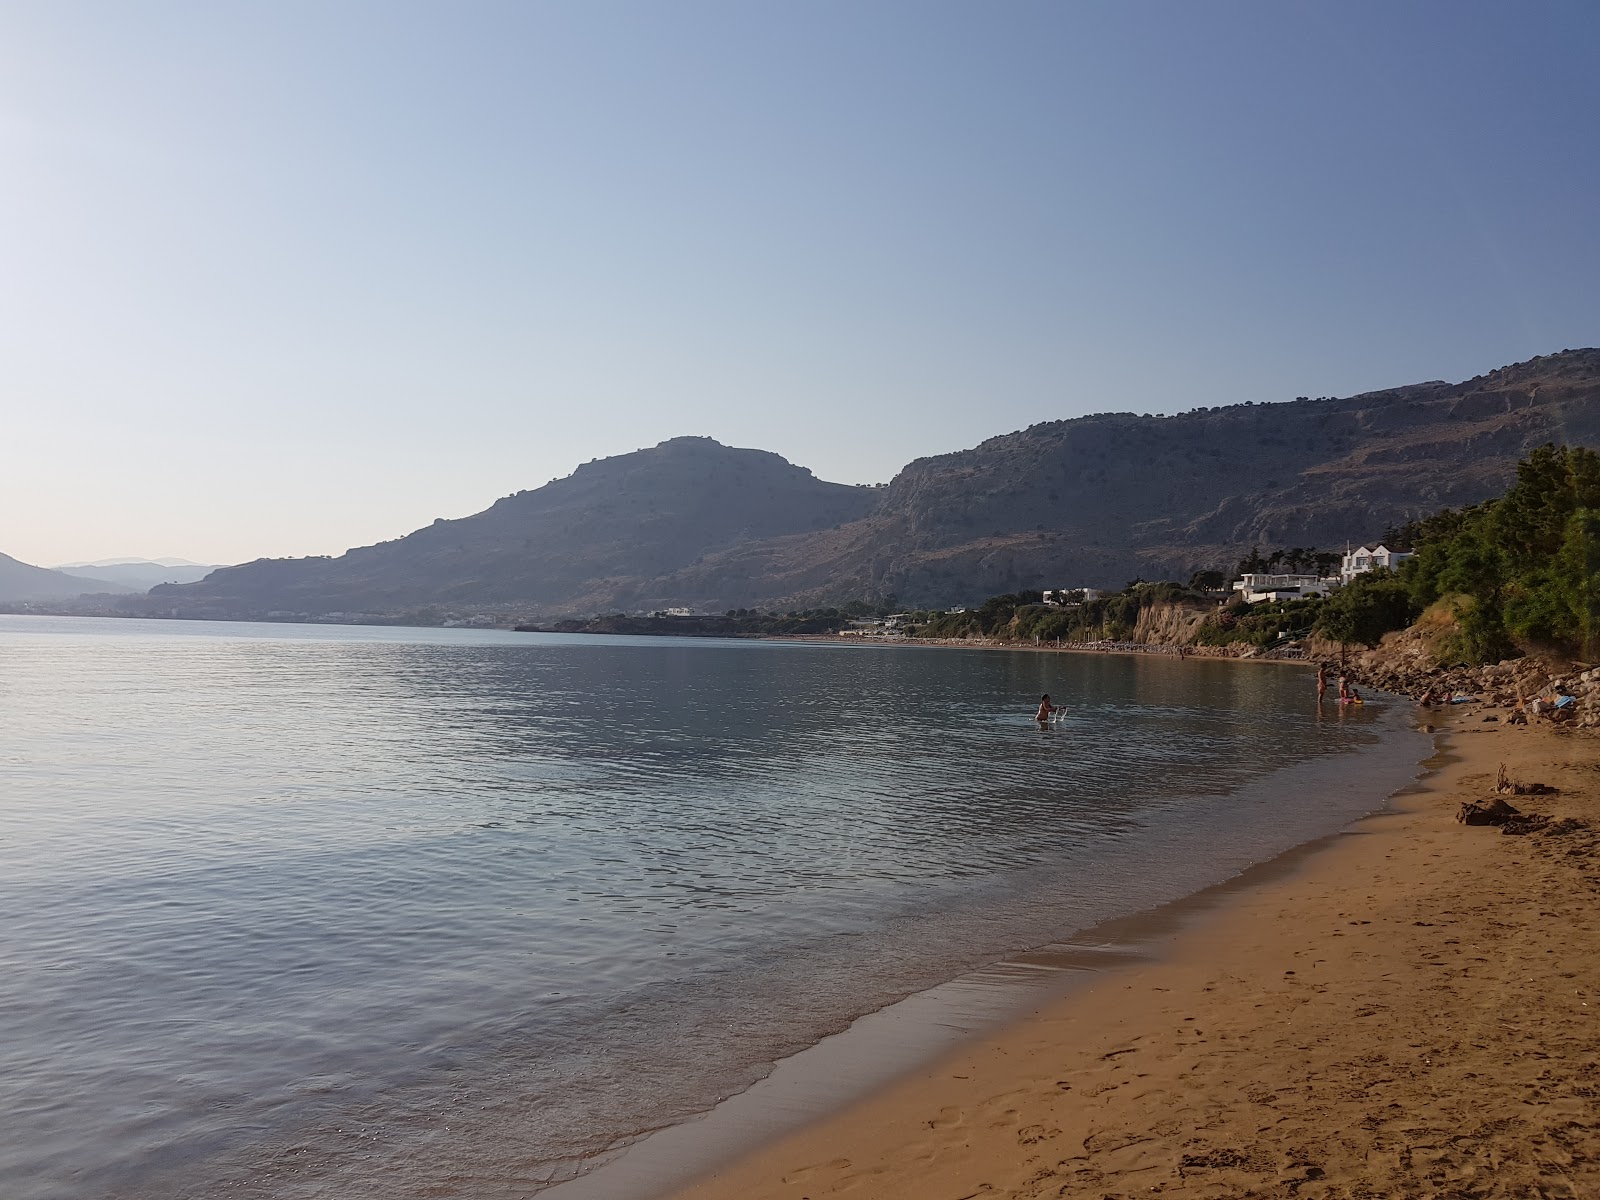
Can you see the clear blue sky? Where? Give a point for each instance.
(286, 277)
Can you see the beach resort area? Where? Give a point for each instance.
(1410, 1010)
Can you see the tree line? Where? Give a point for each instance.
(1518, 572)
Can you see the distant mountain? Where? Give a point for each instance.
(602, 531)
(22, 582)
(1091, 501)
(140, 574)
(1099, 500)
(120, 562)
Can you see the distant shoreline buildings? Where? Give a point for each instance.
(1258, 586)
(1368, 558)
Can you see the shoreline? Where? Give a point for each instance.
(881, 1049)
(1127, 650)
(884, 1046)
(1411, 1004)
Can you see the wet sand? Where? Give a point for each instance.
(1410, 1012)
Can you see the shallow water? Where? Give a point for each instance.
(311, 911)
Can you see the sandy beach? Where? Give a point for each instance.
(1411, 1013)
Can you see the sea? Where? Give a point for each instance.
(299, 911)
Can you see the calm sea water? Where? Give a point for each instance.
(295, 911)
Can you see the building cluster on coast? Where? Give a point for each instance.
(1250, 587)
(1258, 586)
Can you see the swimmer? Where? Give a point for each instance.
(1046, 709)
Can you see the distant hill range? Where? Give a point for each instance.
(1091, 501)
(140, 574)
(23, 583)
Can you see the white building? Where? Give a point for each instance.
(1063, 596)
(1365, 558)
(1258, 587)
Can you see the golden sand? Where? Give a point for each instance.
(1415, 1012)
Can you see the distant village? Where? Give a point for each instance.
(1253, 587)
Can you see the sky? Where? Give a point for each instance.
(286, 277)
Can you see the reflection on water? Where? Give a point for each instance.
(303, 911)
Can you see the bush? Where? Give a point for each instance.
(1369, 606)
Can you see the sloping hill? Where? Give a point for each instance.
(21, 582)
(1100, 499)
(600, 531)
(1091, 501)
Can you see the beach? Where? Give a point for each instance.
(1409, 1012)
(642, 918)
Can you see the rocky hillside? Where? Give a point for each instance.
(1099, 500)
(589, 542)
(1092, 501)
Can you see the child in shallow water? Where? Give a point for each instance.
(1045, 709)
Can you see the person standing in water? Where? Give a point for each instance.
(1322, 681)
(1045, 709)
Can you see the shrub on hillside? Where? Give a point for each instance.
(1525, 567)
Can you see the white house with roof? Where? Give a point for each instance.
(1258, 586)
(1367, 558)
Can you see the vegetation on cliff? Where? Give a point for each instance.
(1522, 570)
(1510, 575)
(1514, 574)
(1158, 613)
(1023, 616)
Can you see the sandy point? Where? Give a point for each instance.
(1412, 1013)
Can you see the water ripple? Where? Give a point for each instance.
(283, 902)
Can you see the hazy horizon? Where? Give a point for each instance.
(282, 280)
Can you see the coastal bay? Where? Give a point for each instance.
(1411, 1012)
(300, 911)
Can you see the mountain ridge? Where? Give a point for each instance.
(1090, 500)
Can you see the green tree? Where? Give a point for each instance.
(1369, 606)
(1521, 566)
(1253, 565)
(1579, 572)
